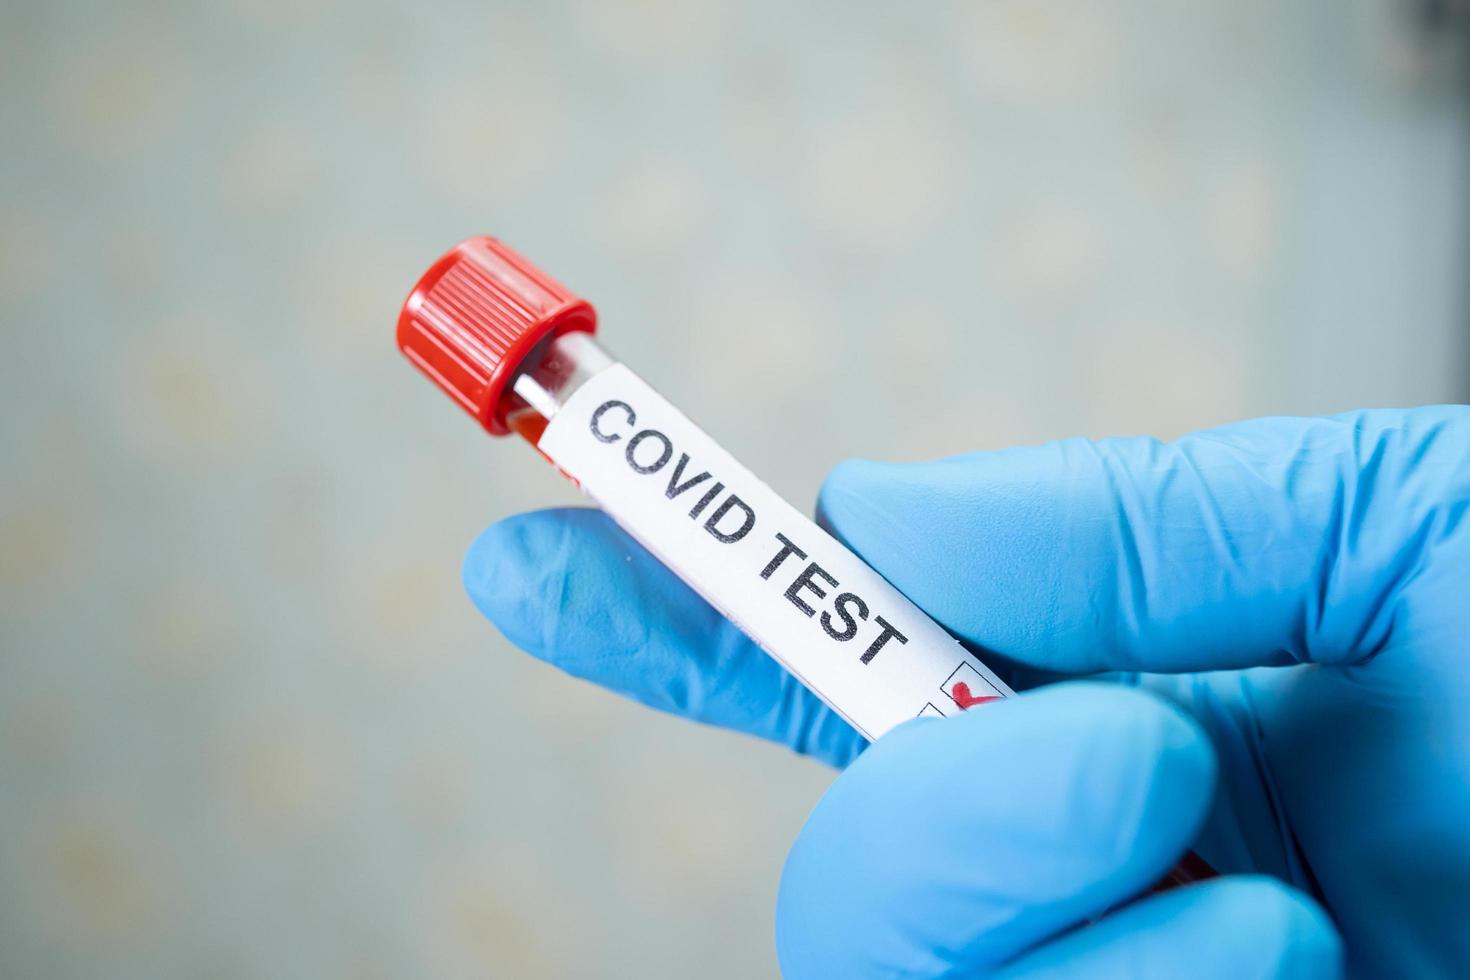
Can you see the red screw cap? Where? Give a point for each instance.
(476, 314)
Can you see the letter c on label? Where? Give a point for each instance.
(601, 436)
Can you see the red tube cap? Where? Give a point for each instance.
(476, 314)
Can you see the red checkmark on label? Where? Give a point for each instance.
(962, 696)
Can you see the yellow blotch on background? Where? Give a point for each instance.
(482, 931)
(407, 595)
(283, 777)
(189, 397)
(38, 542)
(489, 927)
(182, 628)
(189, 392)
(116, 98)
(100, 878)
(461, 134)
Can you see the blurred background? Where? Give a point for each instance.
(249, 724)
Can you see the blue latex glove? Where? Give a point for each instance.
(1286, 603)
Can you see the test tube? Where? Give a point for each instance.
(517, 350)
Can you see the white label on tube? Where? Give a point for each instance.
(802, 596)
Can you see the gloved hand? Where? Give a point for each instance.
(1280, 612)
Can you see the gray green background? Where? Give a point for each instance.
(249, 724)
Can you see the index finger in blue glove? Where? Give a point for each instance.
(1265, 542)
(572, 588)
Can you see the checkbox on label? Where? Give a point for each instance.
(967, 688)
(931, 712)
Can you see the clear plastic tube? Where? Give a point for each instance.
(548, 378)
